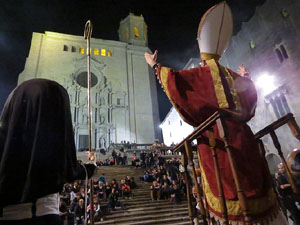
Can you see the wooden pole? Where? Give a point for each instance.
(187, 183)
(294, 127)
(240, 192)
(212, 143)
(189, 153)
(288, 172)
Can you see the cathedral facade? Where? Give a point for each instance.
(123, 89)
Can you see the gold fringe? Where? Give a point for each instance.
(261, 221)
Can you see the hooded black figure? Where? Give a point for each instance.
(37, 149)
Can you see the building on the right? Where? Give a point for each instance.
(268, 46)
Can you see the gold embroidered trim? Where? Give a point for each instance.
(219, 89)
(255, 206)
(208, 56)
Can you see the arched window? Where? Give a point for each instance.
(96, 51)
(81, 50)
(136, 32)
(103, 52)
(252, 44)
(279, 55)
(109, 53)
(73, 49)
(283, 51)
(66, 48)
(284, 13)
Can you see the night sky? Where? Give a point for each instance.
(172, 28)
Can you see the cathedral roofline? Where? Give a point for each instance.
(94, 41)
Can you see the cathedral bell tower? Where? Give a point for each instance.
(133, 30)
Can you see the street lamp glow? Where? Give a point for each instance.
(266, 83)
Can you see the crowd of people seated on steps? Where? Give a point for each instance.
(106, 198)
(106, 162)
(167, 182)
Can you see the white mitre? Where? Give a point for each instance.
(215, 31)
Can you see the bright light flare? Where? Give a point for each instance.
(160, 126)
(266, 83)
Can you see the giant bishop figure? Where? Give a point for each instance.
(199, 92)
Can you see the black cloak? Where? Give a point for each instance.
(37, 149)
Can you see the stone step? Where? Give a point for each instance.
(152, 204)
(156, 207)
(152, 211)
(135, 205)
(183, 220)
(141, 210)
(144, 217)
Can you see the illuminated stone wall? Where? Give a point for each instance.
(174, 129)
(269, 44)
(124, 99)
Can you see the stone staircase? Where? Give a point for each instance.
(141, 210)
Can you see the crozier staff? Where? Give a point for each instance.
(37, 153)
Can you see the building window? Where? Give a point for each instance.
(103, 52)
(109, 53)
(284, 13)
(281, 53)
(170, 134)
(169, 122)
(118, 101)
(279, 103)
(252, 44)
(180, 123)
(102, 101)
(81, 50)
(96, 51)
(96, 115)
(83, 141)
(73, 49)
(66, 48)
(136, 32)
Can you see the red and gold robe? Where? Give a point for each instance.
(196, 94)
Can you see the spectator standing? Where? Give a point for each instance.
(79, 212)
(286, 194)
(63, 212)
